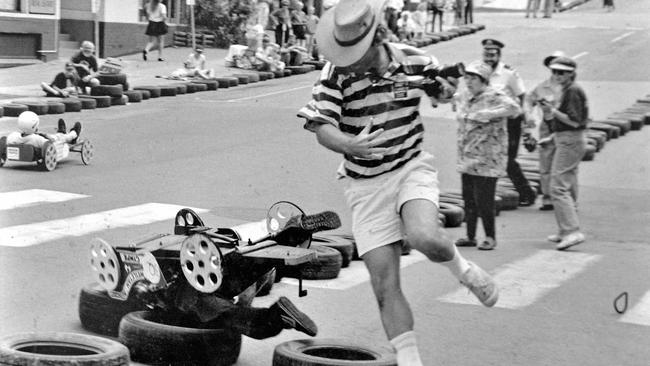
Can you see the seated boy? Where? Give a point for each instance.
(86, 65)
(194, 66)
(28, 123)
(269, 56)
(65, 83)
(292, 54)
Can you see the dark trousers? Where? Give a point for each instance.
(514, 170)
(258, 323)
(281, 34)
(478, 194)
(439, 13)
(391, 19)
(469, 12)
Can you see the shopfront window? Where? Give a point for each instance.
(9, 5)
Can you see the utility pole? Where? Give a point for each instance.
(191, 3)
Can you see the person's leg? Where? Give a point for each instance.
(394, 310)
(528, 5)
(161, 46)
(486, 188)
(150, 44)
(51, 92)
(546, 152)
(471, 218)
(526, 193)
(568, 154)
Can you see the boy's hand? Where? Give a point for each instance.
(365, 144)
(448, 87)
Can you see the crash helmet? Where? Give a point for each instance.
(28, 122)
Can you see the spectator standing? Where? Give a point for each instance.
(459, 9)
(549, 5)
(482, 150)
(532, 6)
(299, 24)
(506, 79)
(392, 12)
(568, 122)
(362, 108)
(282, 18)
(550, 92)
(65, 83)
(420, 20)
(310, 32)
(469, 12)
(438, 9)
(156, 29)
(86, 65)
(405, 26)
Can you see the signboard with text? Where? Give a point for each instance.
(42, 6)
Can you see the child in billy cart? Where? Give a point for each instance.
(28, 123)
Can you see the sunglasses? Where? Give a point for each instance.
(560, 72)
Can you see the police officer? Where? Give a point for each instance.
(506, 79)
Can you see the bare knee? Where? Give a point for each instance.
(434, 243)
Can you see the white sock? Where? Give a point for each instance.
(457, 265)
(406, 347)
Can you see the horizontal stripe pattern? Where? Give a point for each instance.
(31, 197)
(351, 102)
(41, 232)
(523, 282)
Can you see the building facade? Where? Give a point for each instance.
(44, 29)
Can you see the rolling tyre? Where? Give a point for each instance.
(101, 314)
(48, 161)
(170, 339)
(331, 352)
(87, 152)
(58, 348)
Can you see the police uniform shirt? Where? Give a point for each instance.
(507, 79)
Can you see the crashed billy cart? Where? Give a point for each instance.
(186, 297)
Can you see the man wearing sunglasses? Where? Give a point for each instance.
(568, 122)
(507, 80)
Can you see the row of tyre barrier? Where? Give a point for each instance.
(116, 91)
(436, 37)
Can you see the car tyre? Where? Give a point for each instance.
(331, 352)
(100, 313)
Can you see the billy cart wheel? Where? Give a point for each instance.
(48, 162)
(105, 264)
(201, 263)
(87, 152)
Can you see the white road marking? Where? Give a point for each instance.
(41, 232)
(523, 282)
(580, 55)
(640, 313)
(31, 197)
(269, 94)
(353, 275)
(621, 37)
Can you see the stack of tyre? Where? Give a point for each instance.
(156, 337)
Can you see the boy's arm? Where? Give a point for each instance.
(365, 145)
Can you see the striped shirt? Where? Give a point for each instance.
(350, 102)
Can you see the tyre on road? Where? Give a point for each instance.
(331, 352)
(58, 348)
(101, 314)
(158, 338)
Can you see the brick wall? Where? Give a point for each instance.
(16, 28)
(79, 30)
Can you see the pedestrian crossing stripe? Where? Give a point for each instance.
(41, 232)
(523, 282)
(31, 197)
(640, 313)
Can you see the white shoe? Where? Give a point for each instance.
(555, 238)
(481, 284)
(571, 240)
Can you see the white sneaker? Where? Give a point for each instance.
(481, 284)
(555, 238)
(570, 240)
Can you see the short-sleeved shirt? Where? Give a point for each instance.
(574, 105)
(31, 139)
(483, 146)
(349, 102)
(62, 81)
(547, 90)
(158, 14)
(193, 63)
(507, 79)
(90, 60)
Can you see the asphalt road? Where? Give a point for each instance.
(235, 152)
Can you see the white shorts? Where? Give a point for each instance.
(376, 202)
